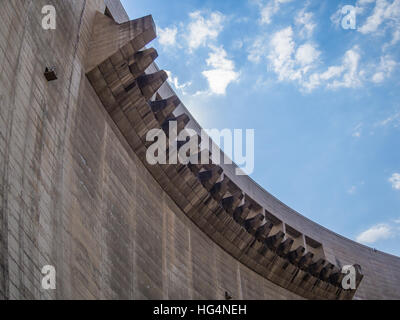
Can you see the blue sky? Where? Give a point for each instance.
(324, 101)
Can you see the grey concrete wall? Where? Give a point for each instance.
(74, 195)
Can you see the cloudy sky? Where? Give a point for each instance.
(324, 101)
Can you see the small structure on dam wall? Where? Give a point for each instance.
(77, 193)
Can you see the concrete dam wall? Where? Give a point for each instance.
(76, 192)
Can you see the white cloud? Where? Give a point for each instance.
(175, 82)
(395, 181)
(258, 49)
(222, 72)
(378, 77)
(203, 29)
(384, 12)
(378, 232)
(307, 54)
(167, 36)
(364, 2)
(312, 82)
(305, 21)
(351, 74)
(336, 17)
(396, 37)
(288, 62)
(332, 72)
(293, 57)
(384, 70)
(393, 119)
(270, 9)
(374, 20)
(394, 41)
(346, 75)
(294, 63)
(354, 75)
(280, 57)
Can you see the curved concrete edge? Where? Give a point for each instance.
(381, 270)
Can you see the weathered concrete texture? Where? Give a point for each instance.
(222, 218)
(73, 194)
(36, 122)
(108, 37)
(117, 11)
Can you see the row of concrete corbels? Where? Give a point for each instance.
(116, 69)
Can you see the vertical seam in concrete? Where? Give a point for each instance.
(133, 237)
(59, 179)
(10, 121)
(164, 250)
(24, 212)
(102, 257)
(215, 270)
(191, 289)
(239, 280)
